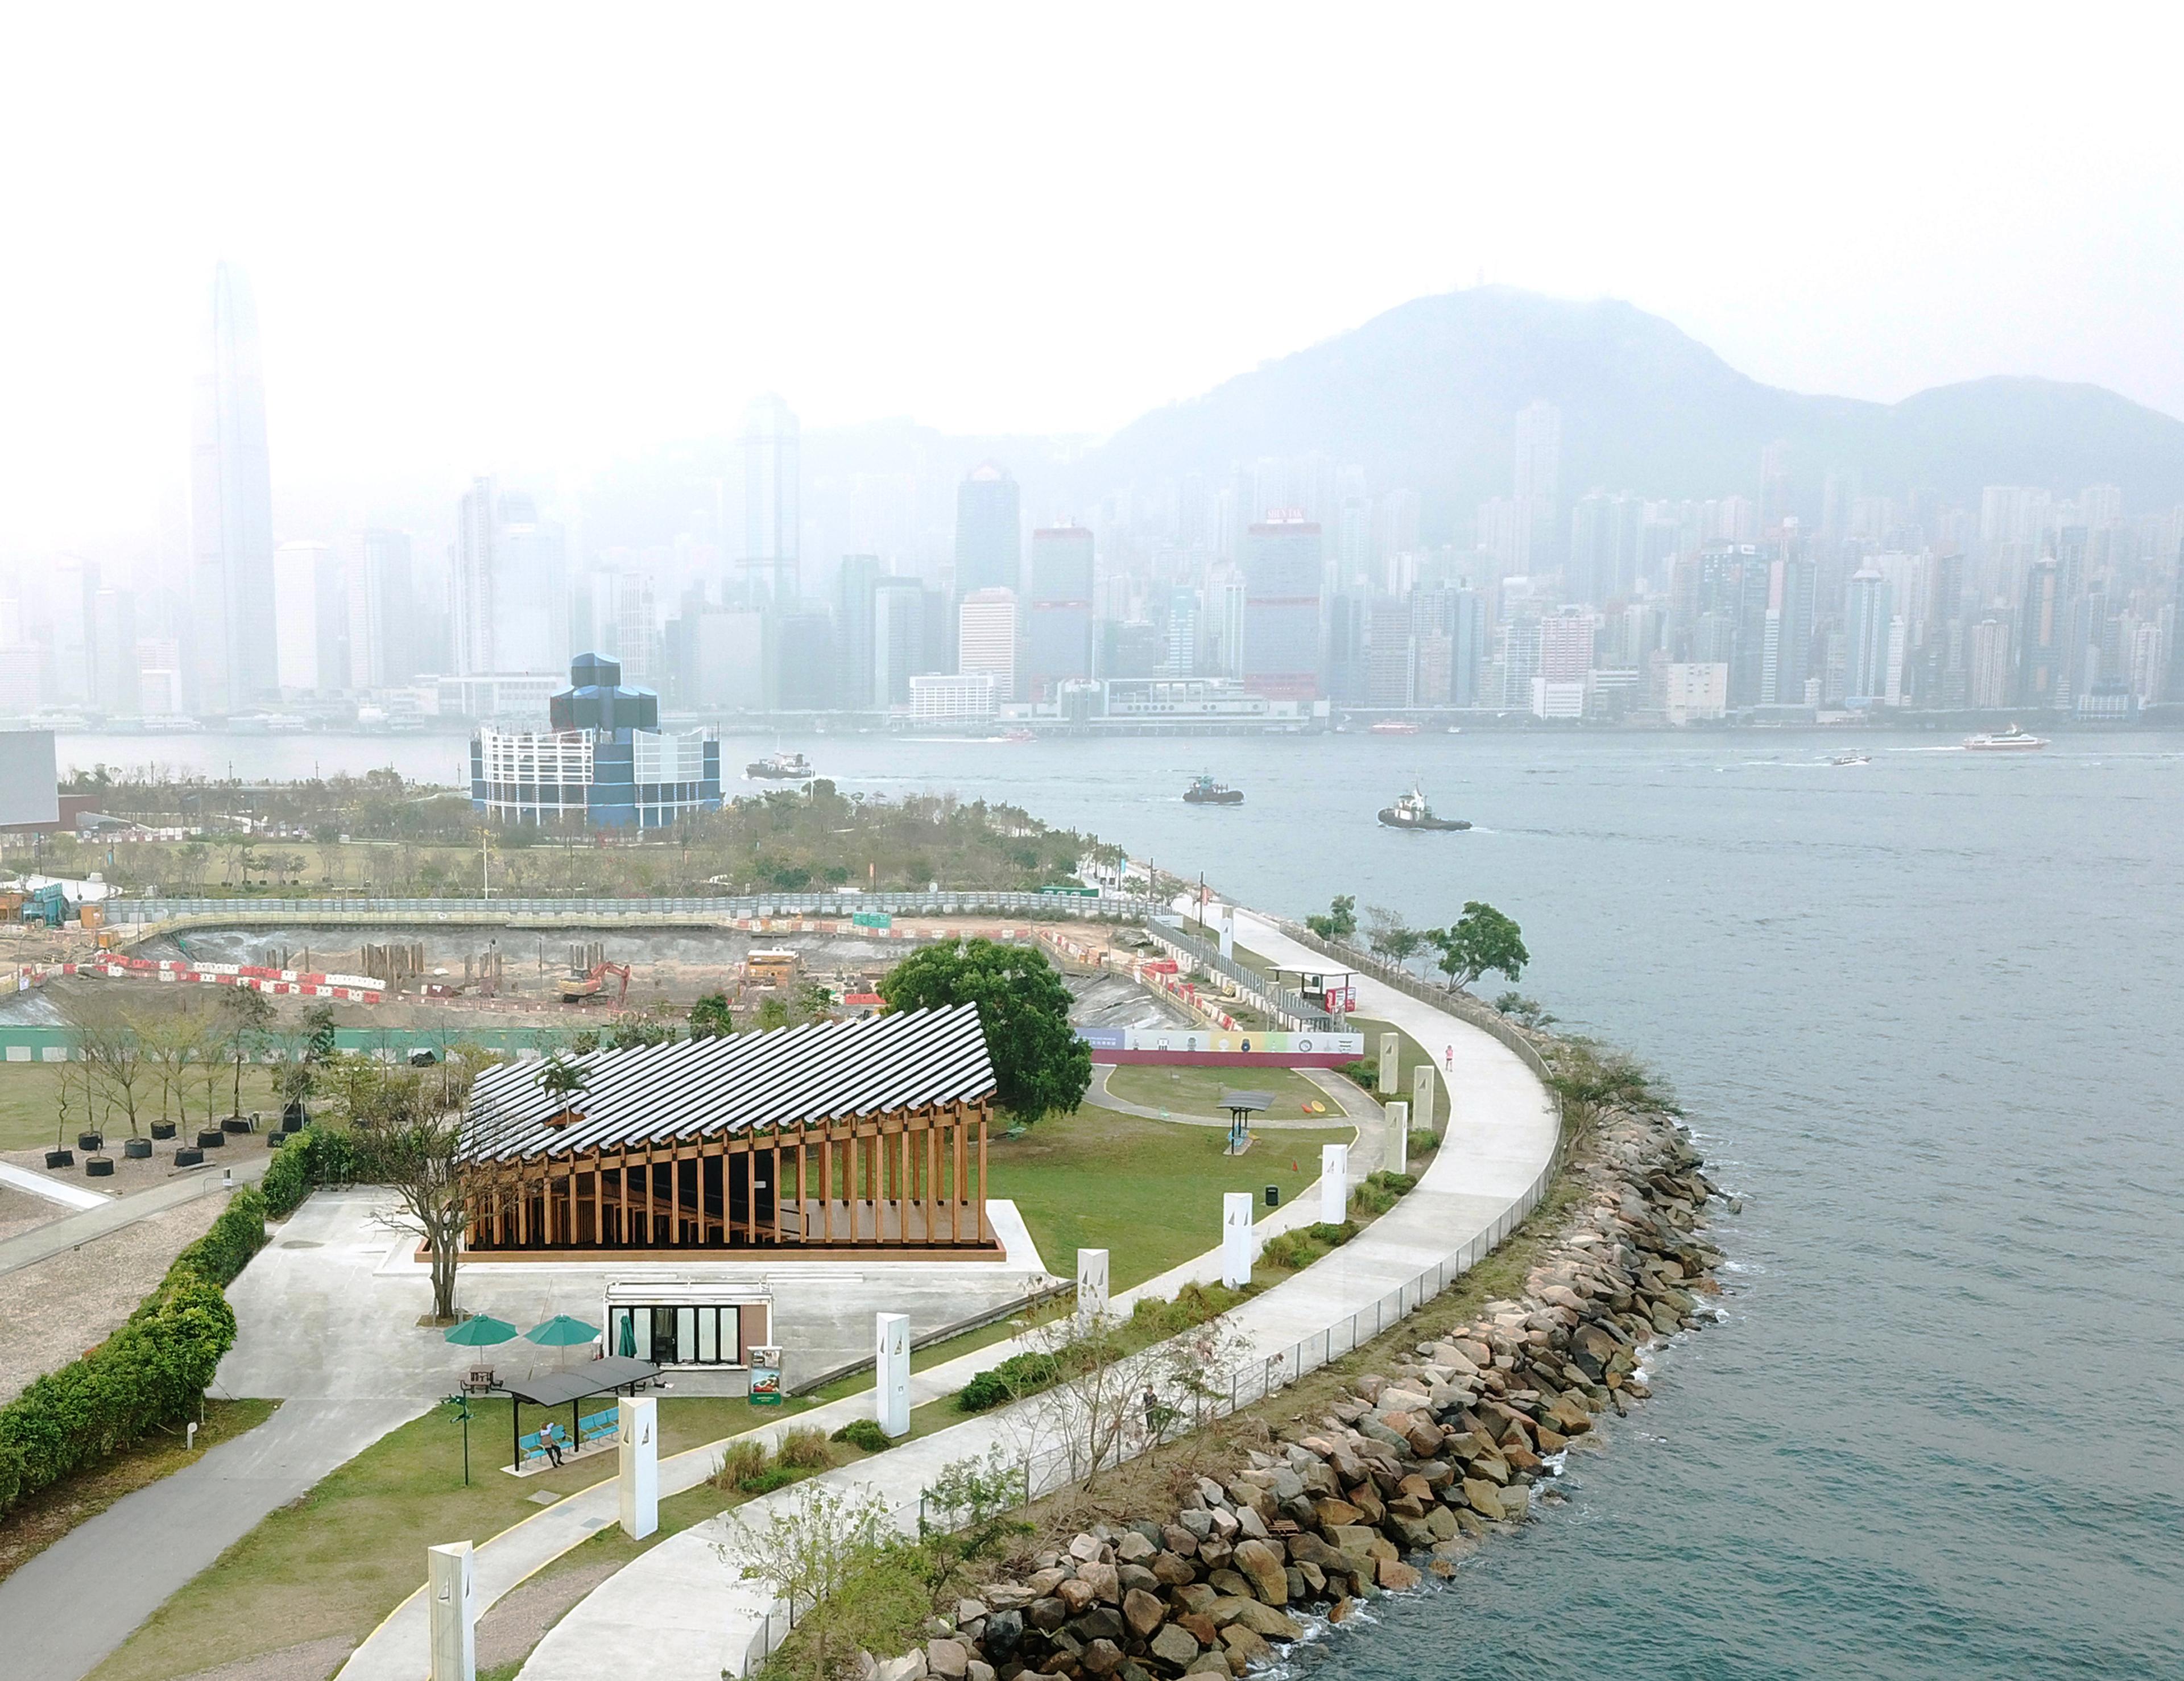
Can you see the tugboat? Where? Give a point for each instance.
(1205, 791)
(779, 767)
(1411, 812)
(2010, 740)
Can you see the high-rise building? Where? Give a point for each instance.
(1537, 485)
(231, 511)
(898, 639)
(772, 501)
(1181, 632)
(986, 638)
(1865, 676)
(1990, 684)
(2040, 636)
(854, 584)
(477, 580)
(382, 633)
(989, 531)
(1058, 628)
(1282, 583)
(802, 662)
(530, 630)
(310, 619)
(114, 688)
(1787, 656)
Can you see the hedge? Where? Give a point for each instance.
(307, 1159)
(150, 1372)
(1017, 1375)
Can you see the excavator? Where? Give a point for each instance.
(582, 989)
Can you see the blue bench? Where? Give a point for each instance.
(598, 1427)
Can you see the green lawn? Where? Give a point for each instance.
(1409, 1054)
(336, 1562)
(29, 1091)
(1197, 1091)
(1148, 1192)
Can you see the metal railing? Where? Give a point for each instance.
(709, 907)
(1277, 1000)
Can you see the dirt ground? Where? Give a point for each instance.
(19, 1211)
(60, 1307)
(139, 1174)
(313, 1661)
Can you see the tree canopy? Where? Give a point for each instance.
(1340, 921)
(1480, 942)
(1039, 1064)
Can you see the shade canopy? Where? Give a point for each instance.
(562, 1332)
(481, 1331)
(586, 1377)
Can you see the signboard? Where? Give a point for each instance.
(1223, 1042)
(1072, 892)
(30, 787)
(872, 919)
(766, 1377)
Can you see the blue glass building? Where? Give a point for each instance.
(605, 762)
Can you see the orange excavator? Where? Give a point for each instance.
(582, 989)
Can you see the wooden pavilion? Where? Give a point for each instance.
(859, 1138)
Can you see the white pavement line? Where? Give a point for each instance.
(675, 1613)
(112, 1213)
(53, 1190)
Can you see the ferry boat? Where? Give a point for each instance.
(1205, 791)
(2010, 740)
(1852, 759)
(1391, 726)
(779, 767)
(1020, 735)
(1411, 810)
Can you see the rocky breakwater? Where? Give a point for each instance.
(1410, 1467)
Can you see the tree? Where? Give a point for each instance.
(1481, 941)
(808, 1551)
(563, 1080)
(711, 1017)
(1389, 934)
(319, 1034)
(1340, 921)
(247, 1017)
(108, 1035)
(1039, 1064)
(413, 1144)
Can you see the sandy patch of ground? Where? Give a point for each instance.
(19, 1211)
(141, 1174)
(313, 1661)
(60, 1307)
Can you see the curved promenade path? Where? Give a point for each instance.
(675, 1613)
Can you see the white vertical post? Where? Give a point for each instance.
(640, 1441)
(1391, 1066)
(1422, 1094)
(1091, 1287)
(892, 1394)
(1228, 935)
(1334, 1184)
(1395, 1154)
(451, 1592)
(1236, 1239)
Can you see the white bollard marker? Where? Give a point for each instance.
(639, 1440)
(451, 1593)
(1391, 1064)
(892, 1394)
(1422, 1094)
(1396, 1152)
(1228, 936)
(1236, 1239)
(1091, 1287)
(1334, 1184)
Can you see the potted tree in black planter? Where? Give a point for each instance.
(60, 1155)
(248, 1016)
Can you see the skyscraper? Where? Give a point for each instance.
(988, 530)
(1537, 485)
(230, 510)
(1058, 633)
(986, 641)
(898, 639)
(1282, 580)
(477, 580)
(853, 627)
(773, 501)
(1865, 681)
(310, 619)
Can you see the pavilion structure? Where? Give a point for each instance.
(836, 1139)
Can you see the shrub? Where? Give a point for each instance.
(287, 1181)
(149, 1372)
(1365, 1072)
(1018, 1374)
(804, 1448)
(742, 1459)
(1294, 1250)
(1425, 1141)
(864, 1434)
(1379, 1192)
(766, 1482)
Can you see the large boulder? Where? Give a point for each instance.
(1004, 1634)
(1173, 1648)
(1142, 1612)
(947, 1660)
(1261, 1565)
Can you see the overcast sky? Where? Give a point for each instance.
(484, 236)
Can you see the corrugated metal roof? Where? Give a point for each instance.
(698, 1087)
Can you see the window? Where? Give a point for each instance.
(678, 1335)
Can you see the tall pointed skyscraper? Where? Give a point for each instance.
(772, 514)
(231, 511)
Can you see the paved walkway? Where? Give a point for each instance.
(39, 1242)
(1351, 1104)
(76, 1601)
(53, 1190)
(675, 1614)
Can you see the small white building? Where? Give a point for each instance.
(966, 697)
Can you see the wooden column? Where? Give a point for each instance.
(961, 1186)
(776, 1190)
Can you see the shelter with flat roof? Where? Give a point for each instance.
(856, 1138)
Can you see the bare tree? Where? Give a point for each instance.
(107, 1033)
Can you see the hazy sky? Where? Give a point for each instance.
(484, 236)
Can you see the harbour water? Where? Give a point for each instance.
(1924, 1015)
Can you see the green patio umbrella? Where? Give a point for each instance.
(562, 1331)
(479, 1331)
